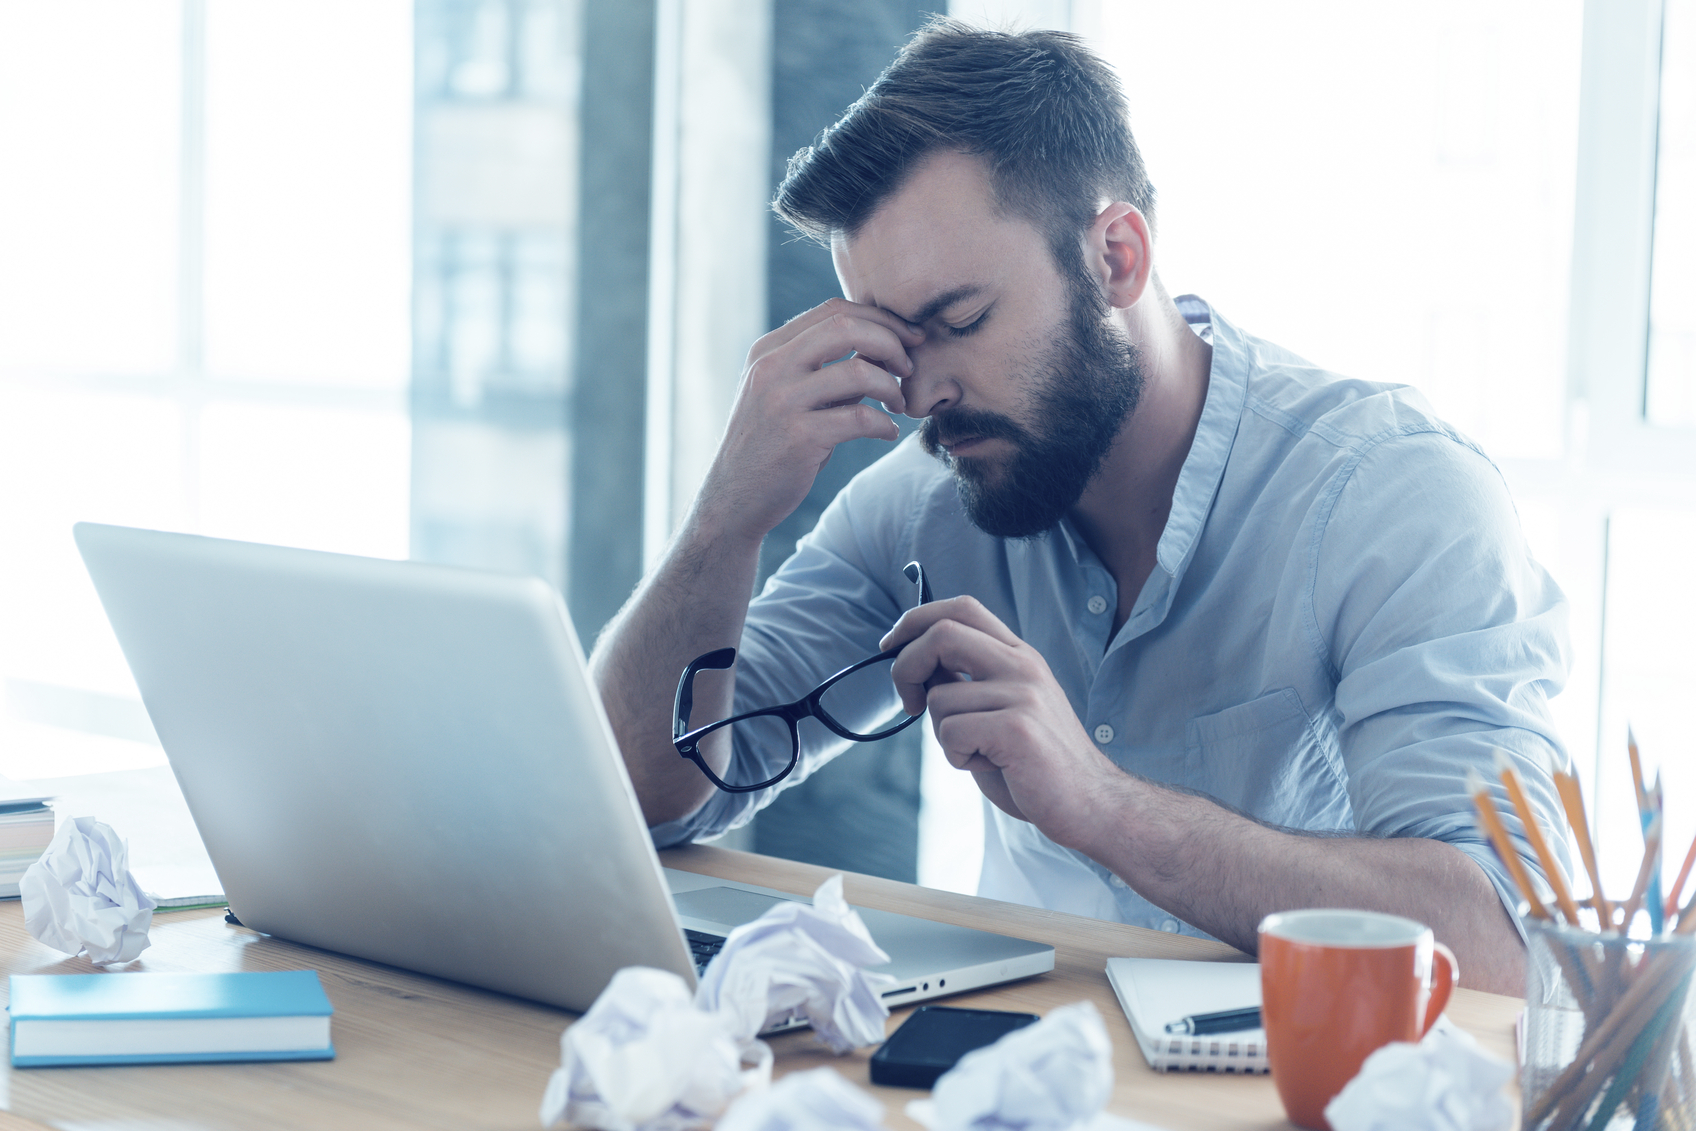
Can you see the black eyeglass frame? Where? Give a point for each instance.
(688, 742)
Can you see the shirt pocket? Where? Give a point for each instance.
(1264, 758)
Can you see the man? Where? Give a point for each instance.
(1216, 632)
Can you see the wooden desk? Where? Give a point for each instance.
(417, 1052)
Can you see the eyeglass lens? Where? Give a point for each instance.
(768, 734)
(864, 702)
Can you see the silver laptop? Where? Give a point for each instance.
(407, 763)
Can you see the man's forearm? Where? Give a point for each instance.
(1224, 872)
(804, 391)
(696, 601)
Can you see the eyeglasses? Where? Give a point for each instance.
(850, 703)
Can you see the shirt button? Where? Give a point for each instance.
(1170, 926)
(1098, 604)
(1104, 734)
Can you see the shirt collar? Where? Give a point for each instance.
(1216, 431)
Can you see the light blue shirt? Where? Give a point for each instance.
(1344, 617)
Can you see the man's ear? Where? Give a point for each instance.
(1119, 252)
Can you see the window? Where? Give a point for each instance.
(1456, 197)
(1671, 393)
(206, 285)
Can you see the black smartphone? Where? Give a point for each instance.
(933, 1040)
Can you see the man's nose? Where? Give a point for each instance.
(929, 389)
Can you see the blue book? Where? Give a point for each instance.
(168, 1018)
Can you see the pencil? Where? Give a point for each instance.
(1687, 919)
(1671, 907)
(1534, 834)
(1636, 769)
(1656, 907)
(1600, 1050)
(1651, 850)
(1573, 800)
(1637, 1057)
(1498, 834)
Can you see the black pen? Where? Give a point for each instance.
(1229, 1021)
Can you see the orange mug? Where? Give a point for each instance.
(1338, 985)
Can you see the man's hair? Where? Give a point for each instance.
(1042, 111)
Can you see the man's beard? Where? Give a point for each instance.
(1091, 382)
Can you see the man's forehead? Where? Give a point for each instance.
(939, 234)
(929, 218)
(907, 283)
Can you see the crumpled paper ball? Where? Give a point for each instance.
(797, 960)
(1446, 1082)
(648, 1057)
(1051, 1076)
(645, 1057)
(820, 1099)
(80, 897)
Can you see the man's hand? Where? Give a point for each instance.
(1013, 727)
(799, 397)
(1009, 723)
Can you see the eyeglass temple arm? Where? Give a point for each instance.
(916, 574)
(685, 702)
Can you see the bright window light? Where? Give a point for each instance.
(1385, 189)
(89, 119)
(321, 478)
(308, 183)
(1672, 298)
(1650, 671)
(205, 329)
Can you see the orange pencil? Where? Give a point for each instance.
(1534, 834)
(1567, 785)
(1636, 769)
(1498, 834)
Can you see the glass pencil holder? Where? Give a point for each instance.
(1608, 1040)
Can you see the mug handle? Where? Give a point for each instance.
(1445, 973)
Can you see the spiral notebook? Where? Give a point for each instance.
(1154, 991)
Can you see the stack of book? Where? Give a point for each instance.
(26, 829)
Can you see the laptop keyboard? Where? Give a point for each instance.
(702, 947)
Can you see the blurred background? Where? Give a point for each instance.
(471, 281)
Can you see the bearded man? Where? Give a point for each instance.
(1218, 633)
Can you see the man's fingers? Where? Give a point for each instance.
(831, 356)
(947, 651)
(906, 332)
(852, 422)
(831, 307)
(969, 697)
(970, 741)
(967, 611)
(851, 380)
(840, 335)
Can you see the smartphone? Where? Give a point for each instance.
(933, 1040)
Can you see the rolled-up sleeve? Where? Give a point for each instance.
(1447, 641)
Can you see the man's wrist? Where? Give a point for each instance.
(711, 540)
(1149, 834)
(712, 529)
(1116, 820)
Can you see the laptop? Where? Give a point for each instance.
(407, 763)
